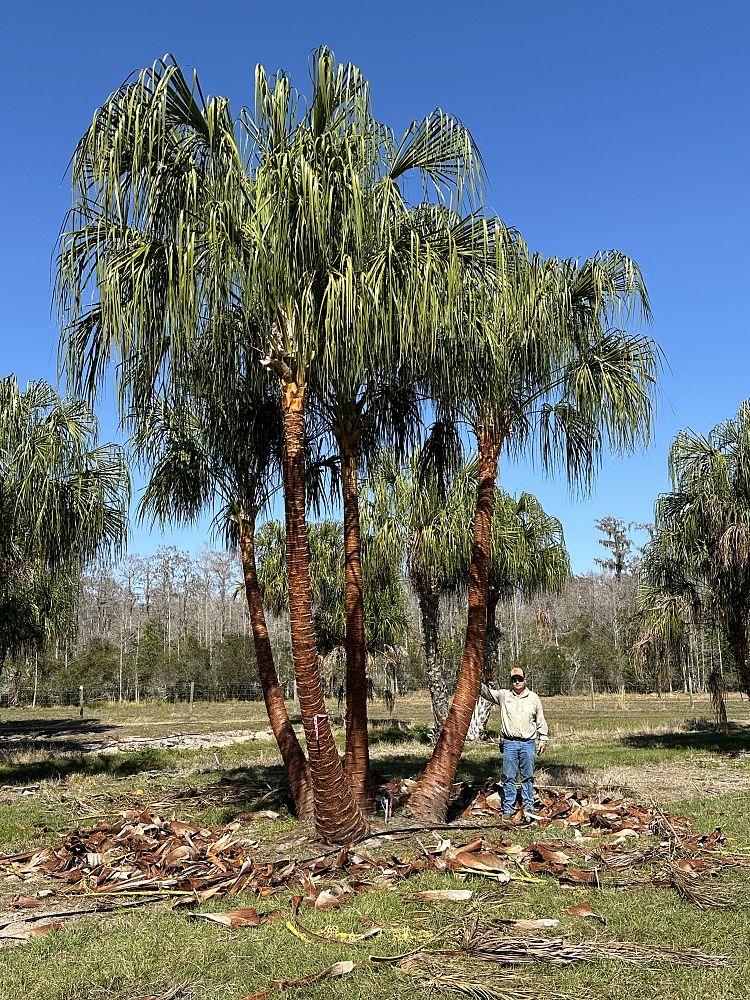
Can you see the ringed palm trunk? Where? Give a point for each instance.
(295, 762)
(430, 798)
(338, 818)
(429, 605)
(483, 708)
(357, 752)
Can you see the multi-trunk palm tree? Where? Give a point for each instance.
(549, 368)
(292, 237)
(697, 565)
(63, 502)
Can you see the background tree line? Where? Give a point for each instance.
(146, 627)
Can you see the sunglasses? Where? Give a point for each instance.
(517, 680)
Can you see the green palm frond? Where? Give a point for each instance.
(385, 615)
(63, 502)
(528, 552)
(696, 569)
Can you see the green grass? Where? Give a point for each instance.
(139, 952)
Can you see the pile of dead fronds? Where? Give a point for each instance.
(141, 853)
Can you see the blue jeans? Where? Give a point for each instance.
(518, 756)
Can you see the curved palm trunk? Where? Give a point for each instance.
(295, 762)
(483, 708)
(357, 752)
(430, 798)
(429, 605)
(338, 818)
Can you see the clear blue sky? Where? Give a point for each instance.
(602, 125)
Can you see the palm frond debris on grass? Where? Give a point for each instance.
(490, 946)
(140, 854)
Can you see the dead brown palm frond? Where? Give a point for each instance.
(443, 972)
(694, 889)
(627, 859)
(489, 946)
(629, 951)
(335, 971)
(727, 860)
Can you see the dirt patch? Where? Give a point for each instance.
(186, 741)
(82, 740)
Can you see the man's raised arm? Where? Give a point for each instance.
(492, 694)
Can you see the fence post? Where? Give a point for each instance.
(593, 701)
(192, 694)
(36, 678)
(80, 700)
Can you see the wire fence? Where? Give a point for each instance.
(27, 696)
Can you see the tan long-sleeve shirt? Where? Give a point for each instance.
(521, 715)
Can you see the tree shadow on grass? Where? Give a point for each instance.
(56, 736)
(731, 743)
(246, 789)
(50, 728)
(397, 731)
(56, 768)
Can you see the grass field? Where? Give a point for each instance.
(59, 772)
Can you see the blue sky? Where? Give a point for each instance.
(601, 125)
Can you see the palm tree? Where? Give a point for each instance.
(187, 236)
(195, 458)
(698, 562)
(668, 610)
(385, 616)
(527, 556)
(362, 418)
(63, 502)
(548, 362)
(397, 286)
(191, 246)
(421, 522)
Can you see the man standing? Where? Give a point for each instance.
(523, 721)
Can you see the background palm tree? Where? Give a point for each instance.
(698, 561)
(63, 503)
(527, 557)
(385, 615)
(420, 521)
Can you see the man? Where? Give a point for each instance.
(523, 721)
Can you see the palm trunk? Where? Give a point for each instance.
(357, 752)
(736, 634)
(295, 762)
(429, 605)
(338, 818)
(483, 708)
(430, 798)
